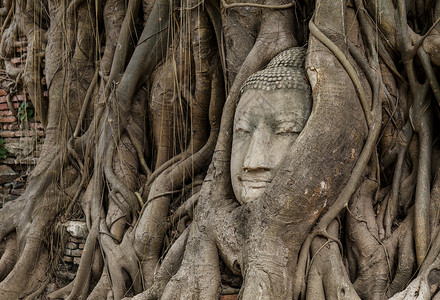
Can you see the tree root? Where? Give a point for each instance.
(327, 277)
(61, 293)
(118, 258)
(199, 276)
(9, 257)
(168, 268)
(30, 269)
(9, 216)
(392, 201)
(420, 288)
(402, 243)
(374, 130)
(102, 288)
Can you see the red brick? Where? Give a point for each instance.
(8, 119)
(25, 133)
(3, 99)
(75, 240)
(20, 97)
(16, 60)
(36, 126)
(3, 92)
(71, 245)
(229, 297)
(68, 258)
(7, 134)
(6, 113)
(75, 252)
(4, 106)
(11, 127)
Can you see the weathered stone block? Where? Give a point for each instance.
(76, 252)
(77, 229)
(71, 245)
(76, 240)
(68, 259)
(17, 192)
(18, 148)
(7, 174)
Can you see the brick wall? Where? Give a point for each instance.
(21, 134)
(22, 138)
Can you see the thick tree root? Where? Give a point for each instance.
(9, 256)
(328, 278)
(31, 272)
(421, 287)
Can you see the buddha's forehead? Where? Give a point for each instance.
(283, 101)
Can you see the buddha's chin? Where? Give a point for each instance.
(251, 193)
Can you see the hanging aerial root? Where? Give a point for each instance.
(405, 136)
(139, 150)
(130, 204)
(421, 119)
(402, 242)
(267, 6)
(8, 17)
(153, 218)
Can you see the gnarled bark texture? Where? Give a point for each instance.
(139, 122)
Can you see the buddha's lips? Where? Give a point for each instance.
(255, 180)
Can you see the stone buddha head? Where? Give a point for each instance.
(273, 108)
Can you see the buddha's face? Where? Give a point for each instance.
(266, 125)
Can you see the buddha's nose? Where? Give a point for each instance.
(258, 154)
